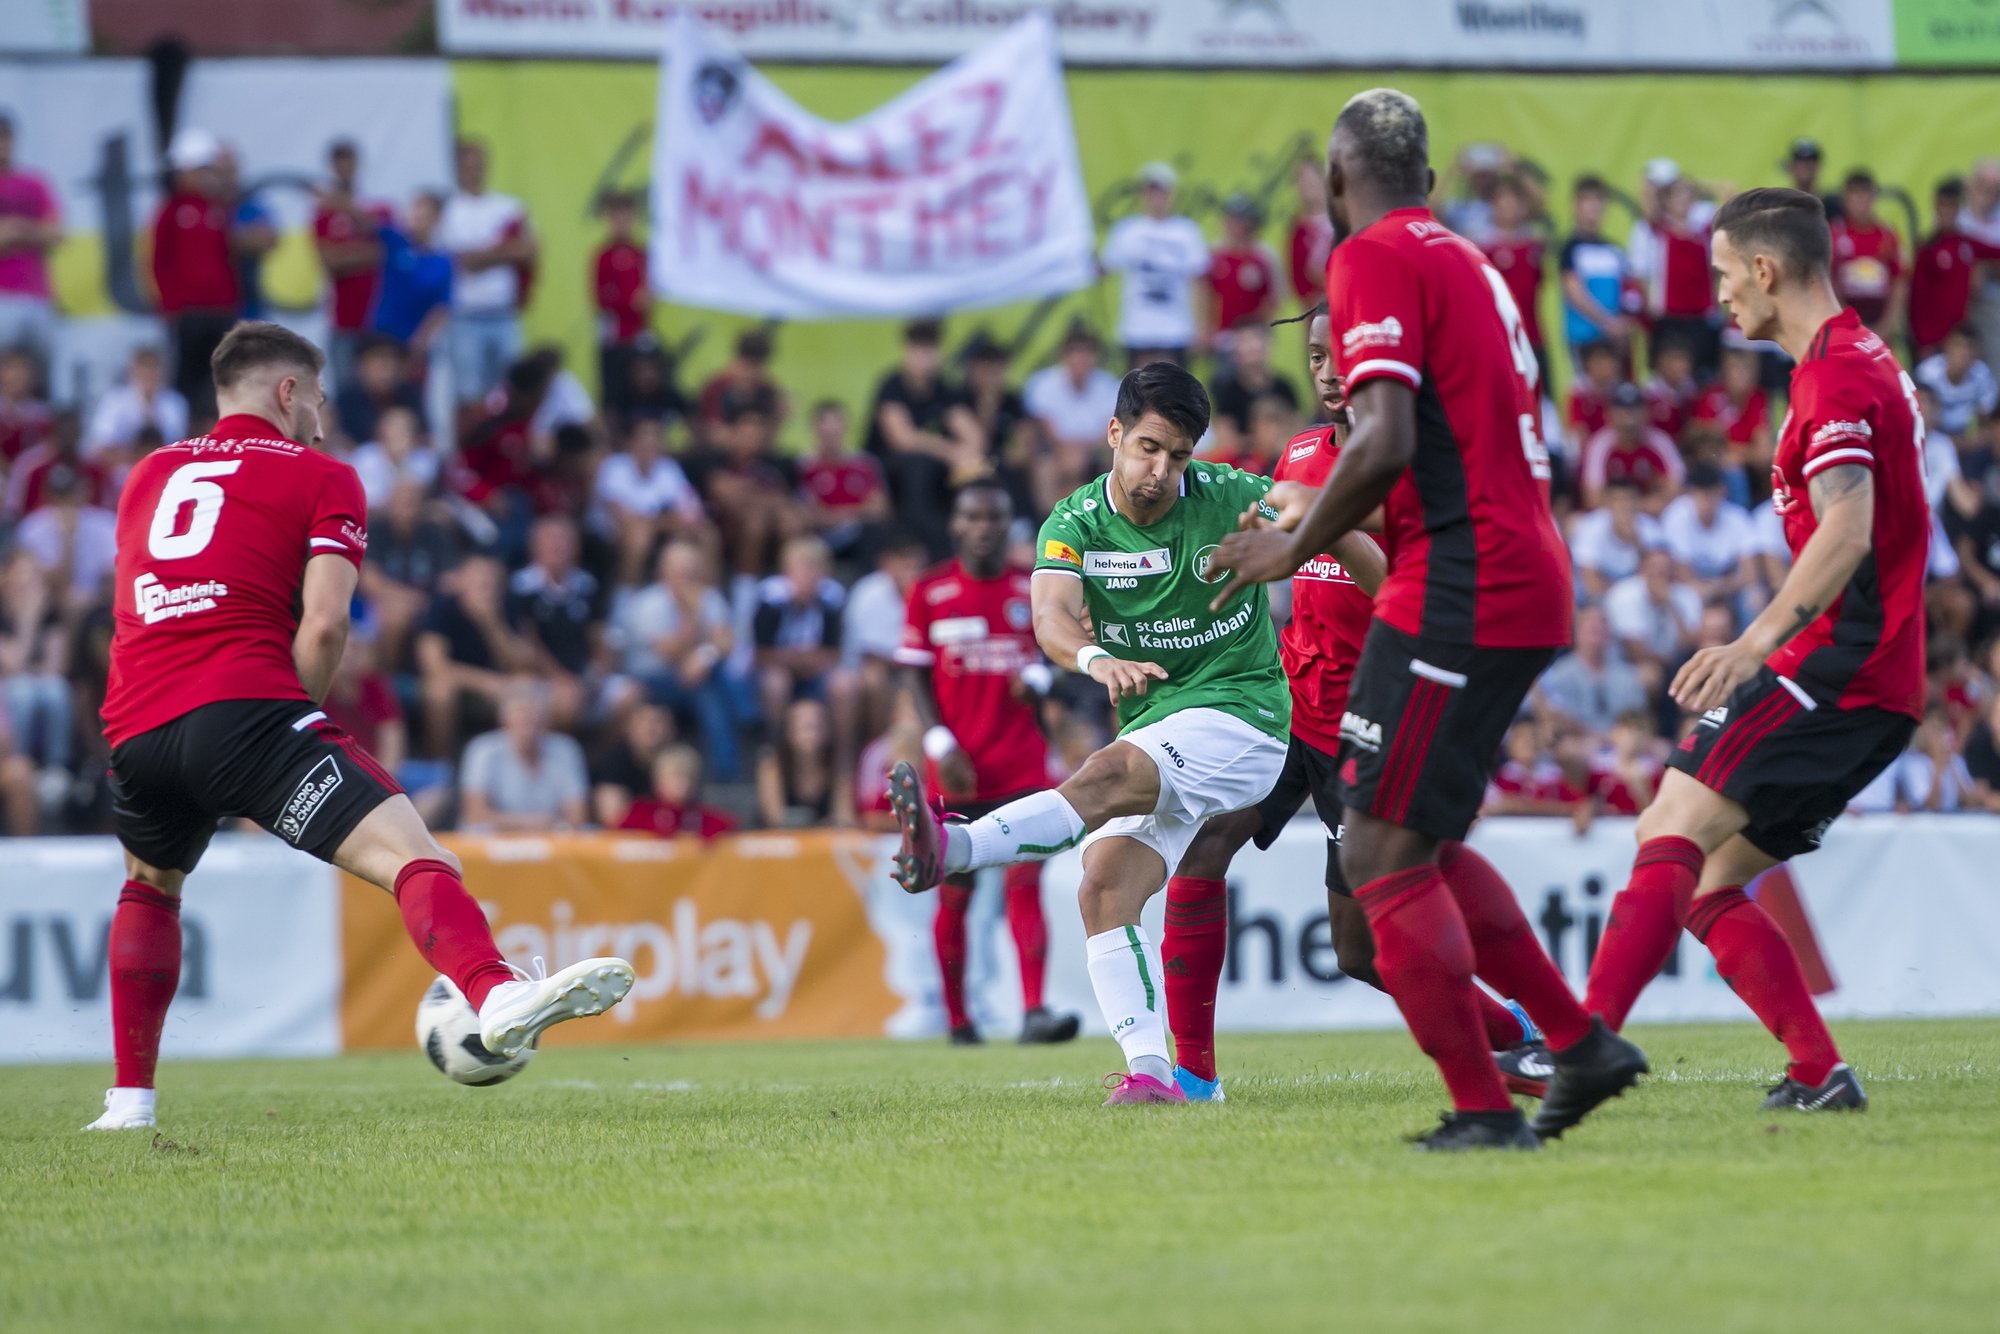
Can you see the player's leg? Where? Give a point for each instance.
(1119, 780)
(1506, 954)
(1119, 875)
(1022, 884)
(948, 937)
(1197, 938)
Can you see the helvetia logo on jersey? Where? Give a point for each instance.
(1382, 333)
(1131, 564)
(155, 602)
(304, 803)
(1355, 728)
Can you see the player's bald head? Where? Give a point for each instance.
(1386, 140)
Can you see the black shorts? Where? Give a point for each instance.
(1308, 772)
(1424, 724)
(279, 762)
(1793, 764)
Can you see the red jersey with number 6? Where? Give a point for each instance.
(975, 636)
(1853, 404)
(1474, 553)
(1330, 613)
(213, 538)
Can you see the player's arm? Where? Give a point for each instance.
(1057, 599)
(1843, 500)
(325, 595)
(1363, 561)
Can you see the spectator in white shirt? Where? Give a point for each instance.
(1709, 535)
(1161, 254)
(1966, 391)
(1605, 544)
(1071, 401)
(675, 640)
(396, 454)
(492, 246)
(145, 399)
(1655, 617)
(646, 496)
(523, 777)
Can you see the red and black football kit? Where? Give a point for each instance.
(204, 711)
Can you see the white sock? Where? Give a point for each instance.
(1125, 974)
(1027, 830)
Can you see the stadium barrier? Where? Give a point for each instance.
(804, 935)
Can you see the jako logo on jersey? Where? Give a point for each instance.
(1204, 561)
(1834, 432)
(305, 801)
(1062, 551)
(1716, 716)
(1386, 333)
(1105, 564)
(1355, 728)
(1173, 754)
(155, 602)
(1114, 633)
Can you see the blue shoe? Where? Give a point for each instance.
(1197, 1088)
(1529, 1033)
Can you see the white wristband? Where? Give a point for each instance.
(939, 742)
(1088, 654)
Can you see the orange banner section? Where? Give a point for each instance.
(758, 935)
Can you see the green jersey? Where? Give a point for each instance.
(1148, 591)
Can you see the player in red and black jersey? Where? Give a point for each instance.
(1332, 604)
(238, 555)
(972, 665)
(1822, 690)
(1443, 391)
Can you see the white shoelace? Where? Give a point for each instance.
(541, 973)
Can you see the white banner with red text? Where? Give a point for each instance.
(800, 935)
(964, 191)
(1600, 34)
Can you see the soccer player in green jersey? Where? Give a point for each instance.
(1122, 589)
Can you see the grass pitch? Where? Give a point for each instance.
(879, 1186)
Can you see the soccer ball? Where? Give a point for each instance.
(448, 1032)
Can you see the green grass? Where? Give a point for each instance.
(877, 1186)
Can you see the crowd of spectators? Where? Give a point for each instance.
(672, 607)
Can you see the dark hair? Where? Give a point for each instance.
(1788, 225)
(923, 333)
(255, 344)
(754, 346)
(1590, 183)
(1079, 334)
(1594, 348)
(826, 405)
(1966, 330)
(991, 485)
(342, 148)
(1680, 345)
(1859, 179)
(1389, 129)
(1165, 388)
(1952, 188)
(1702, 476)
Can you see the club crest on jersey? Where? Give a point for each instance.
(1114, 633)
(1204, 562)
(1382, 333)
(1062, 551)
(1019, 614)
(1128, 564)
(1363, 733)
(312, 792)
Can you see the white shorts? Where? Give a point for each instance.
(1211, 763)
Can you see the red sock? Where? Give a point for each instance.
(1646, 920)
(449, 929)
(145, 972)
(1506, 954)
(1757, 962)
(1425, 958)
(1030, 929)
(948, 931)
(1191, 953)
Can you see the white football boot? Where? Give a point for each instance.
(517, 1013)
(126, 1109)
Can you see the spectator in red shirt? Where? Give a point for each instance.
(840, 489)
(1739, 405)
(744, 384)
(345, 233)
(30, 227)
(1520, 254)
(1590, 394)
(1669, 256)
(1631, 450)
(1312, 234)
(673, 807)
(1868, 271)
(1242, 275)
(623, 303)
(25, 419)
(1672, 392)
(194, 269)
(1942, 274)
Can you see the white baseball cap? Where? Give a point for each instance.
(1662, 172)
(1159, 174)
(193, 149)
